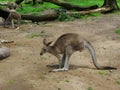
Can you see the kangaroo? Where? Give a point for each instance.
(13, 15)
(67, 44)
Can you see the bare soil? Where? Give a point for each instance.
(25, 69)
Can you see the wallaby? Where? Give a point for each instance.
(13, 5)
(4, 52)
(67, 44)
(13, 15)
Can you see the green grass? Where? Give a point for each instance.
(117, 31)
(67, 81)
(29, 8)
(38, 8)
(85, 2)
(118, 81)
(33, 35)
(10, 82)
(102, 72)
(90, 88)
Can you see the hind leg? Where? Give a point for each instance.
(67, 54)
(12, 23)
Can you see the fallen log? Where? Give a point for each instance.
(69, 6)
(3, 3)
(3, 13)
(50, 15)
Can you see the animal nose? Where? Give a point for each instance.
(41, 53)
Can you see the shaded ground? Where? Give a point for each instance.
(26, 69)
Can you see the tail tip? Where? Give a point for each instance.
(108, 68)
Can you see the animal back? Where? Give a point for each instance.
(70, 39)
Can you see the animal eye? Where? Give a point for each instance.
(44, 49)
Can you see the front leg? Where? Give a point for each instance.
(66, 65)
(62, 61)
(56, 65)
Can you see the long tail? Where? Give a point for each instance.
(93, 55)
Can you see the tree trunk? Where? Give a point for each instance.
(69, 6)
(111, 3)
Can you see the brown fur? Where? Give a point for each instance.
(13, 15)
(67, 44)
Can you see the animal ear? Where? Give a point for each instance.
(49, 43)
(45, 41)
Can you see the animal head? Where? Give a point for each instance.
(13, 5)
(46, 47)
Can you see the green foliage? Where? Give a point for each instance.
(117, 31)
(64, 17)
(86, 2)
(29, 8)
(118, 2)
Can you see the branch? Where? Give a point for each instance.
(90, 11)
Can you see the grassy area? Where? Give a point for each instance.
(28, 8)
(117, 31)
(86, 2)
(36, 9)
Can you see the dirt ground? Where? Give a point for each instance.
(25, 69)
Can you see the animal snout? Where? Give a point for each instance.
(41, 53)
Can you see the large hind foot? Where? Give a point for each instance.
(59, 70)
